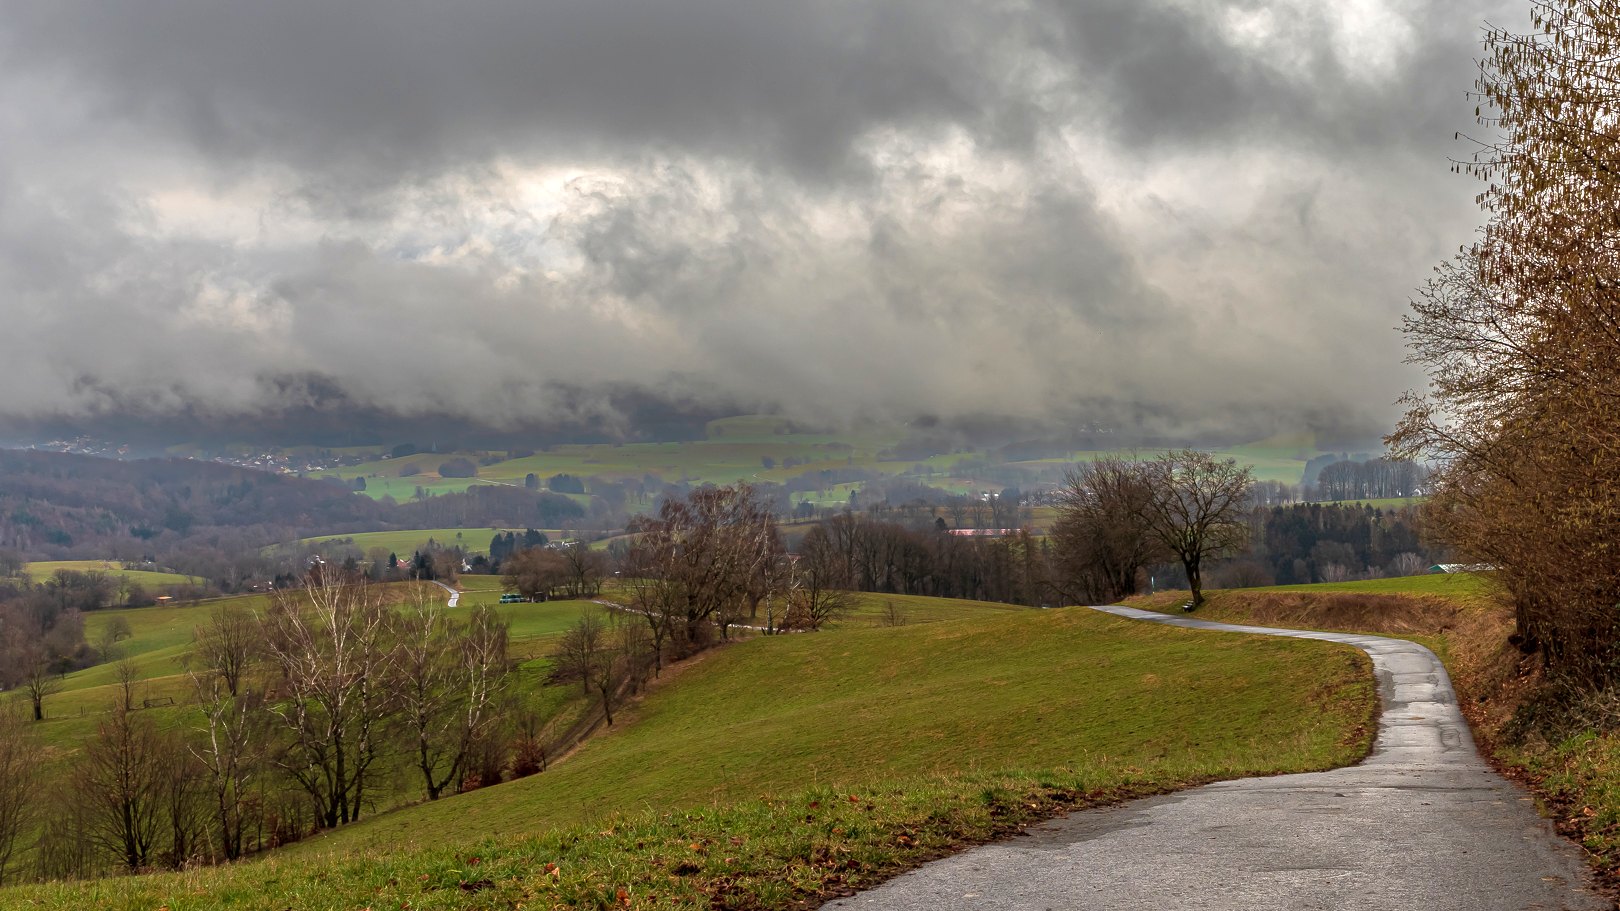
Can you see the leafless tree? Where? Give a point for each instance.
(1104, 535)
(1196, 511)
(120, 779)
(38, 680)
(709, 550)
(585, 569)
(817, 585)
(65, 849)
(450, 675)
(228, 644)
(1518, 337)
(536, 573)
(329, 644)
(657, 601)
(115, 631)
(127, 674)
(580, 650)
(1407, 563)
(20, 758)
(230, 750)
(181, 803)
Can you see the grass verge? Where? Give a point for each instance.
(781, 770)
(768, 853)
(1563, 746)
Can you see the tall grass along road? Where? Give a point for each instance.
(1422, 823)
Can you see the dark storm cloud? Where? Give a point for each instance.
(1204, 212)
(424, 85)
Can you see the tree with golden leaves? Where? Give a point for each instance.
(1520, 335)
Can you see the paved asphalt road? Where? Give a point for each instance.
(455, 596)
(1423, 823)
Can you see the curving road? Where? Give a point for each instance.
(1422, 823)
(455, 596)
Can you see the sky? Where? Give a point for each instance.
(1185, 213)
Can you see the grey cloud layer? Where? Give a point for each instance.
(841, 209)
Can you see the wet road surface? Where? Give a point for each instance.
(1422, 823)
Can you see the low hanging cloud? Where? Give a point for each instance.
(1204, 214)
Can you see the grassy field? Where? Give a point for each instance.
(1466, 585)
(995, 692)
(42, 570)
(779, 769)
(161, 642)
(873, 610)
(405, 543)
(741, 448)
(1385, 503)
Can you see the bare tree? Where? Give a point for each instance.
(817, 585)
(450, 675)
(585, 569)
(38, 680)
(580, 649)
(181, 803)
(536, 572)
(1104, 536)
(329, 643)
(127, 674)
(228, 644)
(65, 849)
(1407, 563)
(115, 631)
(657, 601)
(230, 751)
(1197, 509)
(709, 550)
(1518, 336)
(606, 652)
(120, 780)
(20, 758)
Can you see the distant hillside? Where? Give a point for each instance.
(57, 505)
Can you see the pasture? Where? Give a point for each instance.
(746, 766)
(42, 570)
(760, 448)
(409, 541)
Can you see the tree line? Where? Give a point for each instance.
(1174, 520)
(1518, 336)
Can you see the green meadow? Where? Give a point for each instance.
(747, 769)
(42, 570)
(1465, 585)
(409, 541)
(757, 448)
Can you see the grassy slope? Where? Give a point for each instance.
(919, 722)
(404, 543)
(161, 641)
(1462, 585)
(858, 706)
(870, 610)
(735, 450)
(42, 570)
